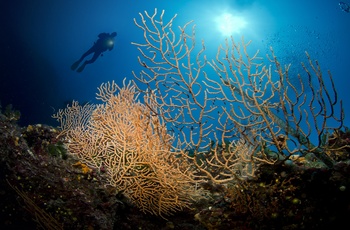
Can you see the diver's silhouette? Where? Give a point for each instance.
(105, 42)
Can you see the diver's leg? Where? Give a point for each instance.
(87, 53)
(92, 60)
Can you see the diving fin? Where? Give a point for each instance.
(75, 65)
(81, 68)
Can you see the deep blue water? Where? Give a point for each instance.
(40, 40)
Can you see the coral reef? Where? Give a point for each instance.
(244, 151)
(124, 139)
(43, 190)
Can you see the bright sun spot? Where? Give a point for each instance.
(229, 24)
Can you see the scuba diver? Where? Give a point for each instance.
(105, 42)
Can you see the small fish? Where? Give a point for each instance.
(344, 7)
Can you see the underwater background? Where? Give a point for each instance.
(117, 166)
(40, 40)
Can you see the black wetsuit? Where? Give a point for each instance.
(105, 42)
